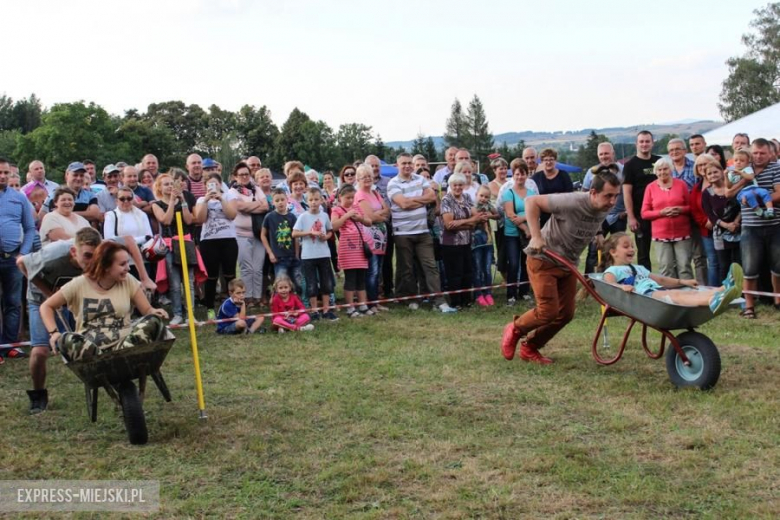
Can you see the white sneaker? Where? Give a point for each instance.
(307, 327)
(414, 306)
(527, 297)
(177, 320)
(510, 302)
(447, 309)
(164, 300)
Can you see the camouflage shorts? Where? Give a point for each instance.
(75, 347)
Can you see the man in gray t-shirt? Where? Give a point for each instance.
(575, 220)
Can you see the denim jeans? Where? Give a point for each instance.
(482, 263)
(11, 286)
(516, 260)
(482, 258)
(713, 267)
(372, 276)
(175, 278)
(290, 267)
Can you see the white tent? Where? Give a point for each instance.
(764, 123)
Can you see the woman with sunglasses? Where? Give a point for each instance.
(347, 176)
(127, 220)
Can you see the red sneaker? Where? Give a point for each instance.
(530, 354)
(509, 341)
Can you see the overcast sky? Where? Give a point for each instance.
(396, 66)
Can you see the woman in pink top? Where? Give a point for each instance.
(667, 206)
(250, 200)
(375, 208)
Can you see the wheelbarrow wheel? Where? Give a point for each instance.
(703, 371)
(133, 412)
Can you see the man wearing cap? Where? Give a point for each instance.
(149, 162)
(106, 199)
(86, 203)
(617, 218)
(37, 175)
(17, 232)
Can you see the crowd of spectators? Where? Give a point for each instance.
(420, 232)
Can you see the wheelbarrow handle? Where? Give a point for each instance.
(576, 272)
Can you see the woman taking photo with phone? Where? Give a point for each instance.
(215, 212)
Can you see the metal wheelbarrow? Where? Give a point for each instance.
(115, 371)
(693, 360)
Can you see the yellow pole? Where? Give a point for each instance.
(190, 317)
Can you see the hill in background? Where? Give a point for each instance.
(574, 138)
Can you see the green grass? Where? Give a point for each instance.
(417, 415)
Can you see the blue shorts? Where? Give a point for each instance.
(39, 336)
(230, 328)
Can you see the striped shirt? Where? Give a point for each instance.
(768, 179)
(408, 221)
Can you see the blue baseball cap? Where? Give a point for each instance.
(209, 163)
(76, 166)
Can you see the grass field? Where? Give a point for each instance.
(416, 415)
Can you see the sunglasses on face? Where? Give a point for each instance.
(349, 174)
(125, 199)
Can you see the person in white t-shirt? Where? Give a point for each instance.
(218, 246)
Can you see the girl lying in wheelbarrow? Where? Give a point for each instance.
(101, 300)
(619, 269)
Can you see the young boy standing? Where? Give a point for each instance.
(314, 229)
(235, 307)
(282, 249)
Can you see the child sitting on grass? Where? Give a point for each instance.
(235, 307)
(616, 264)
(751, 195)
(289, 309)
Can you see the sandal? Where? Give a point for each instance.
(748, 313)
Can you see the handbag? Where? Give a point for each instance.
(366, 249)
(189, 250)
(154, 249)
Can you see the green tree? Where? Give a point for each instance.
(753, 82)
(311, 142)
(660, 145)
(455, 127)
(354, 142)
(379, 148)
(23, 115)
(219, 131)
(69, 132)
(136, 137)
(588, 155)
(429, 151)
(479, 139)
(257, 133)
(8, 142)
(418, 145)
(289, 135)
(186, 122)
